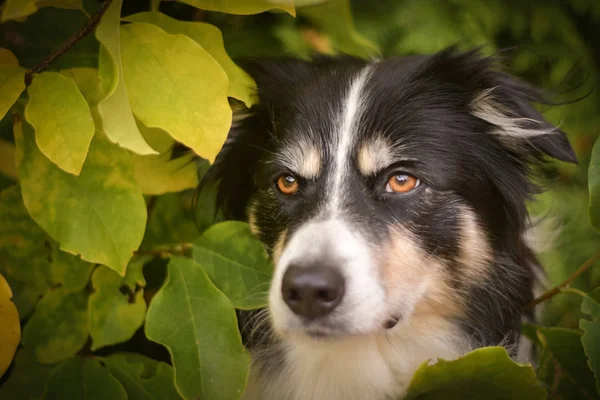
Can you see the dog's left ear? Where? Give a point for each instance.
(504, 102)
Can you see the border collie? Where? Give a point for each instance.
(391, 196)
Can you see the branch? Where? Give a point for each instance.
(88, 28)
(552, 292)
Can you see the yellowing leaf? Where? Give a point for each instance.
(62, 120)
(58, 328)
(241, 85)
(334, 18)
(88, 81)
(188, 94)
(19, 9)
(115, 315)
(115, 111)
(10, 326)
(197, 323)
(99, 214)
(241, 7)
(7, 159)
(12, 81)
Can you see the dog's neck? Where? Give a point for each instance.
(374, 367)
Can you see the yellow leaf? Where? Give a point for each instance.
(12, 80)
(62, 120)
(114, 110)
(241, 85)
(88, 82)
(10, 328)
(242, 7)
(187, 96)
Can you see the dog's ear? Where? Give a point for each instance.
(505, 103)
(253, 132)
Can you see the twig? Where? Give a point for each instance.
(552, 292)
(69, 43)
(166, 251)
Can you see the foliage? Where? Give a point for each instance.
(124, 290)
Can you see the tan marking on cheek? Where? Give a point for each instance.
(411, 275)
(279, 246)
(251, 211)
(475, 252)
(374, 156)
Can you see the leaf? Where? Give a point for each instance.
(115, 110)
(69, 272)
(590, 339)
(236, 263)
(117, 307)
(10, 326)
(241, 85)
(27, 380)
(197, 324)
(62, 120)
(106, 211)
(7, 160)
(58, 328)
(486, 373)
(88, 81)
(565, 347)
(19, 9)
(241, 7)
(12, 80)
(334, 18)
(25, 297)
(83, 378)
(188, 95)
(143, 378)
(169, 221)
(594, 185)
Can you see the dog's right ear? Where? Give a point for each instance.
(253, 132)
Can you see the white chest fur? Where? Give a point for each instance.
(377, 367)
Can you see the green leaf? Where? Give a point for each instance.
(169, 222)
(58, 328)
(25, 297)
(143, 378)
(115, 110)
(83, 378)
(241, 85)
(19, 9)
(12, 81)
(188, 95)
(594, 185)
(242, 7)
(334, 18)
(565, 347)
(62, 120)
(7, 160)
(236, 263)
(115, 315)
(590, 339)
(486, 373)
(197, 324)
(27, 380)
(106, 211)
(69, 272)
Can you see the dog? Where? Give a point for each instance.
(391, 196)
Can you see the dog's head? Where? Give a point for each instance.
(386, 191)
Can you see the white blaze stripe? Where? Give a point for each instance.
(345, 135)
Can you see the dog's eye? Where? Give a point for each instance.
(401, 183)
(287, 184)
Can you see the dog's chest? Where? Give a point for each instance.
(374, 368)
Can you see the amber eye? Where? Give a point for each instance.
(401, 183)
(287, 184)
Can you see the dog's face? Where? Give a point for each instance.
(386, 192)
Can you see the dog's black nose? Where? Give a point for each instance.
(312, 292)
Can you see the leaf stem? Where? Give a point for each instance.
(69, 43)
(166, 251)
(552, 292)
